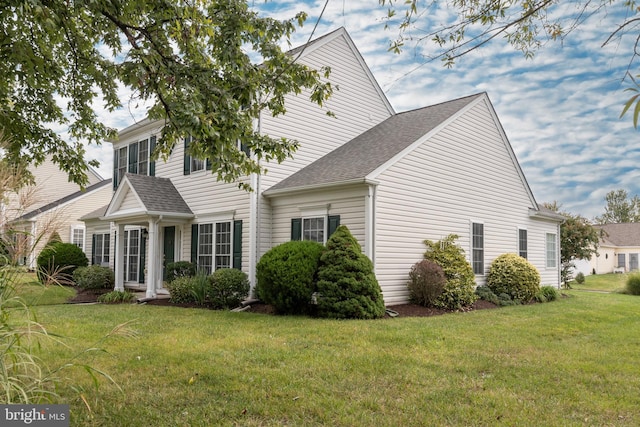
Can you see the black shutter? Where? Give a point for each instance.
(152, 163)
(115, 169)
(187, 158)
(93, 249)
(194, 243)
(237, 244)
(208, 164)
(133, 158)
(143, 258)
(296, 228)
(334, 222)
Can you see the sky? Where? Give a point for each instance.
(560, 110)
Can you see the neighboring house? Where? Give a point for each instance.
(619, 248)
(51, 205)
(392, 179)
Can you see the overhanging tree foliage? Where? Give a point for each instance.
(195, 61)
(525, 24)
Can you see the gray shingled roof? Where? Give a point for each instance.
(63, 200)
(158, 194)
(95, 214)
(624, 234)
(370, 150)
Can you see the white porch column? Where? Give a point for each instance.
(118, 265)
(152, 260)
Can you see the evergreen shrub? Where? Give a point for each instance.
(229, 287)
(94, 277)
(486, 294)
(182, 290)
(180, 269)
(58, 261)
(633, 284)
(347, 286)
(286, 276)
(513, 275)
(459, 291)
(579, 278)
(426, 283)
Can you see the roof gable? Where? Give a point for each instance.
(146, 195)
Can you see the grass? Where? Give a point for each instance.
(570, 362)
(34, 293)
(602, 282)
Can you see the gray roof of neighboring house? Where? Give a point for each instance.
(623, 234)
(63, 200)
(95, 214)
(158, 194)
(371, 149)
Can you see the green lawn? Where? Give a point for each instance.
(34, 293)
(602, 282)
(570, 362)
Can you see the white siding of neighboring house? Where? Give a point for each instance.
(356, 102)
(349, 203)
(462, 174)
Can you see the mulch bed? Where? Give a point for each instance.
(403, 310)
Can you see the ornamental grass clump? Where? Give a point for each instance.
(347, 285)
(458, 291)
(515, 276)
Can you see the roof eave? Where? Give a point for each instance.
(330, 185)
(549, 216)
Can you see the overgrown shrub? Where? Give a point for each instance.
(94, 277)
(579, 278)
(513, 275)
(426, 283)
(180, 269)
(458, 292)
(486, 294)
(633, 284)
(347, 285)
(547, 294)
(58, 261)
(117, 297)
(182, 290)
(286, 275)
(229, 287)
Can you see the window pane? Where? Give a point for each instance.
(122, 163)
(205, 248)
(551, 250)
(477, 248)
(196, 165)
(106, 245)
(223, 245)
(133, 253)
(98, 249)
(143, 157)
(522, 243)
(313, 229)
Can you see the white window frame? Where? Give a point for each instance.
(131, 276)
(143, 161)
(551, 250)
(72, 238)
(474, 248)
(104, 252)
(306, 231)
(526, 248)
(219, 251)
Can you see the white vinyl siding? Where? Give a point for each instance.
(440, 185)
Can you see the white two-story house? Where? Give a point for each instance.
(393, 179)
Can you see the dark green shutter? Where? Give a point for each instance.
(115, 169)
(194, 243)
(143, 258)
(334, 222)
(133, 158)
(296, 228)
(187, 158)
(237, 244)
(93, 249)
(208, 164)
(245, 149)
(152, 163)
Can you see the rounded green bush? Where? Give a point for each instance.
(486, 294)
(459, 291)
(180, 269)
(182, 290)
(229, 287)
(94, 277)
(347, 285)
(580, 278)
(426, 283)
(286, 276)
(633, 284)
(59, 260)
(513, 275)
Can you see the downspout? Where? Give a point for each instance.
(370, 223)
(254, 230)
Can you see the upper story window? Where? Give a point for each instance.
(191, 164)
(134, 158)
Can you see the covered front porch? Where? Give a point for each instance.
(149, 218)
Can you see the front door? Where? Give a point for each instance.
(169, 249)
(633, 262)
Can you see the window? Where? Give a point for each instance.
(101, 249)
(77, 236)
(196, 165)
(131, 255)
(622, 261)
(134, 158)
(313, 229)
(522, 243)
(477, 248)
(192, 164)
(217, 245)
(552, 251)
